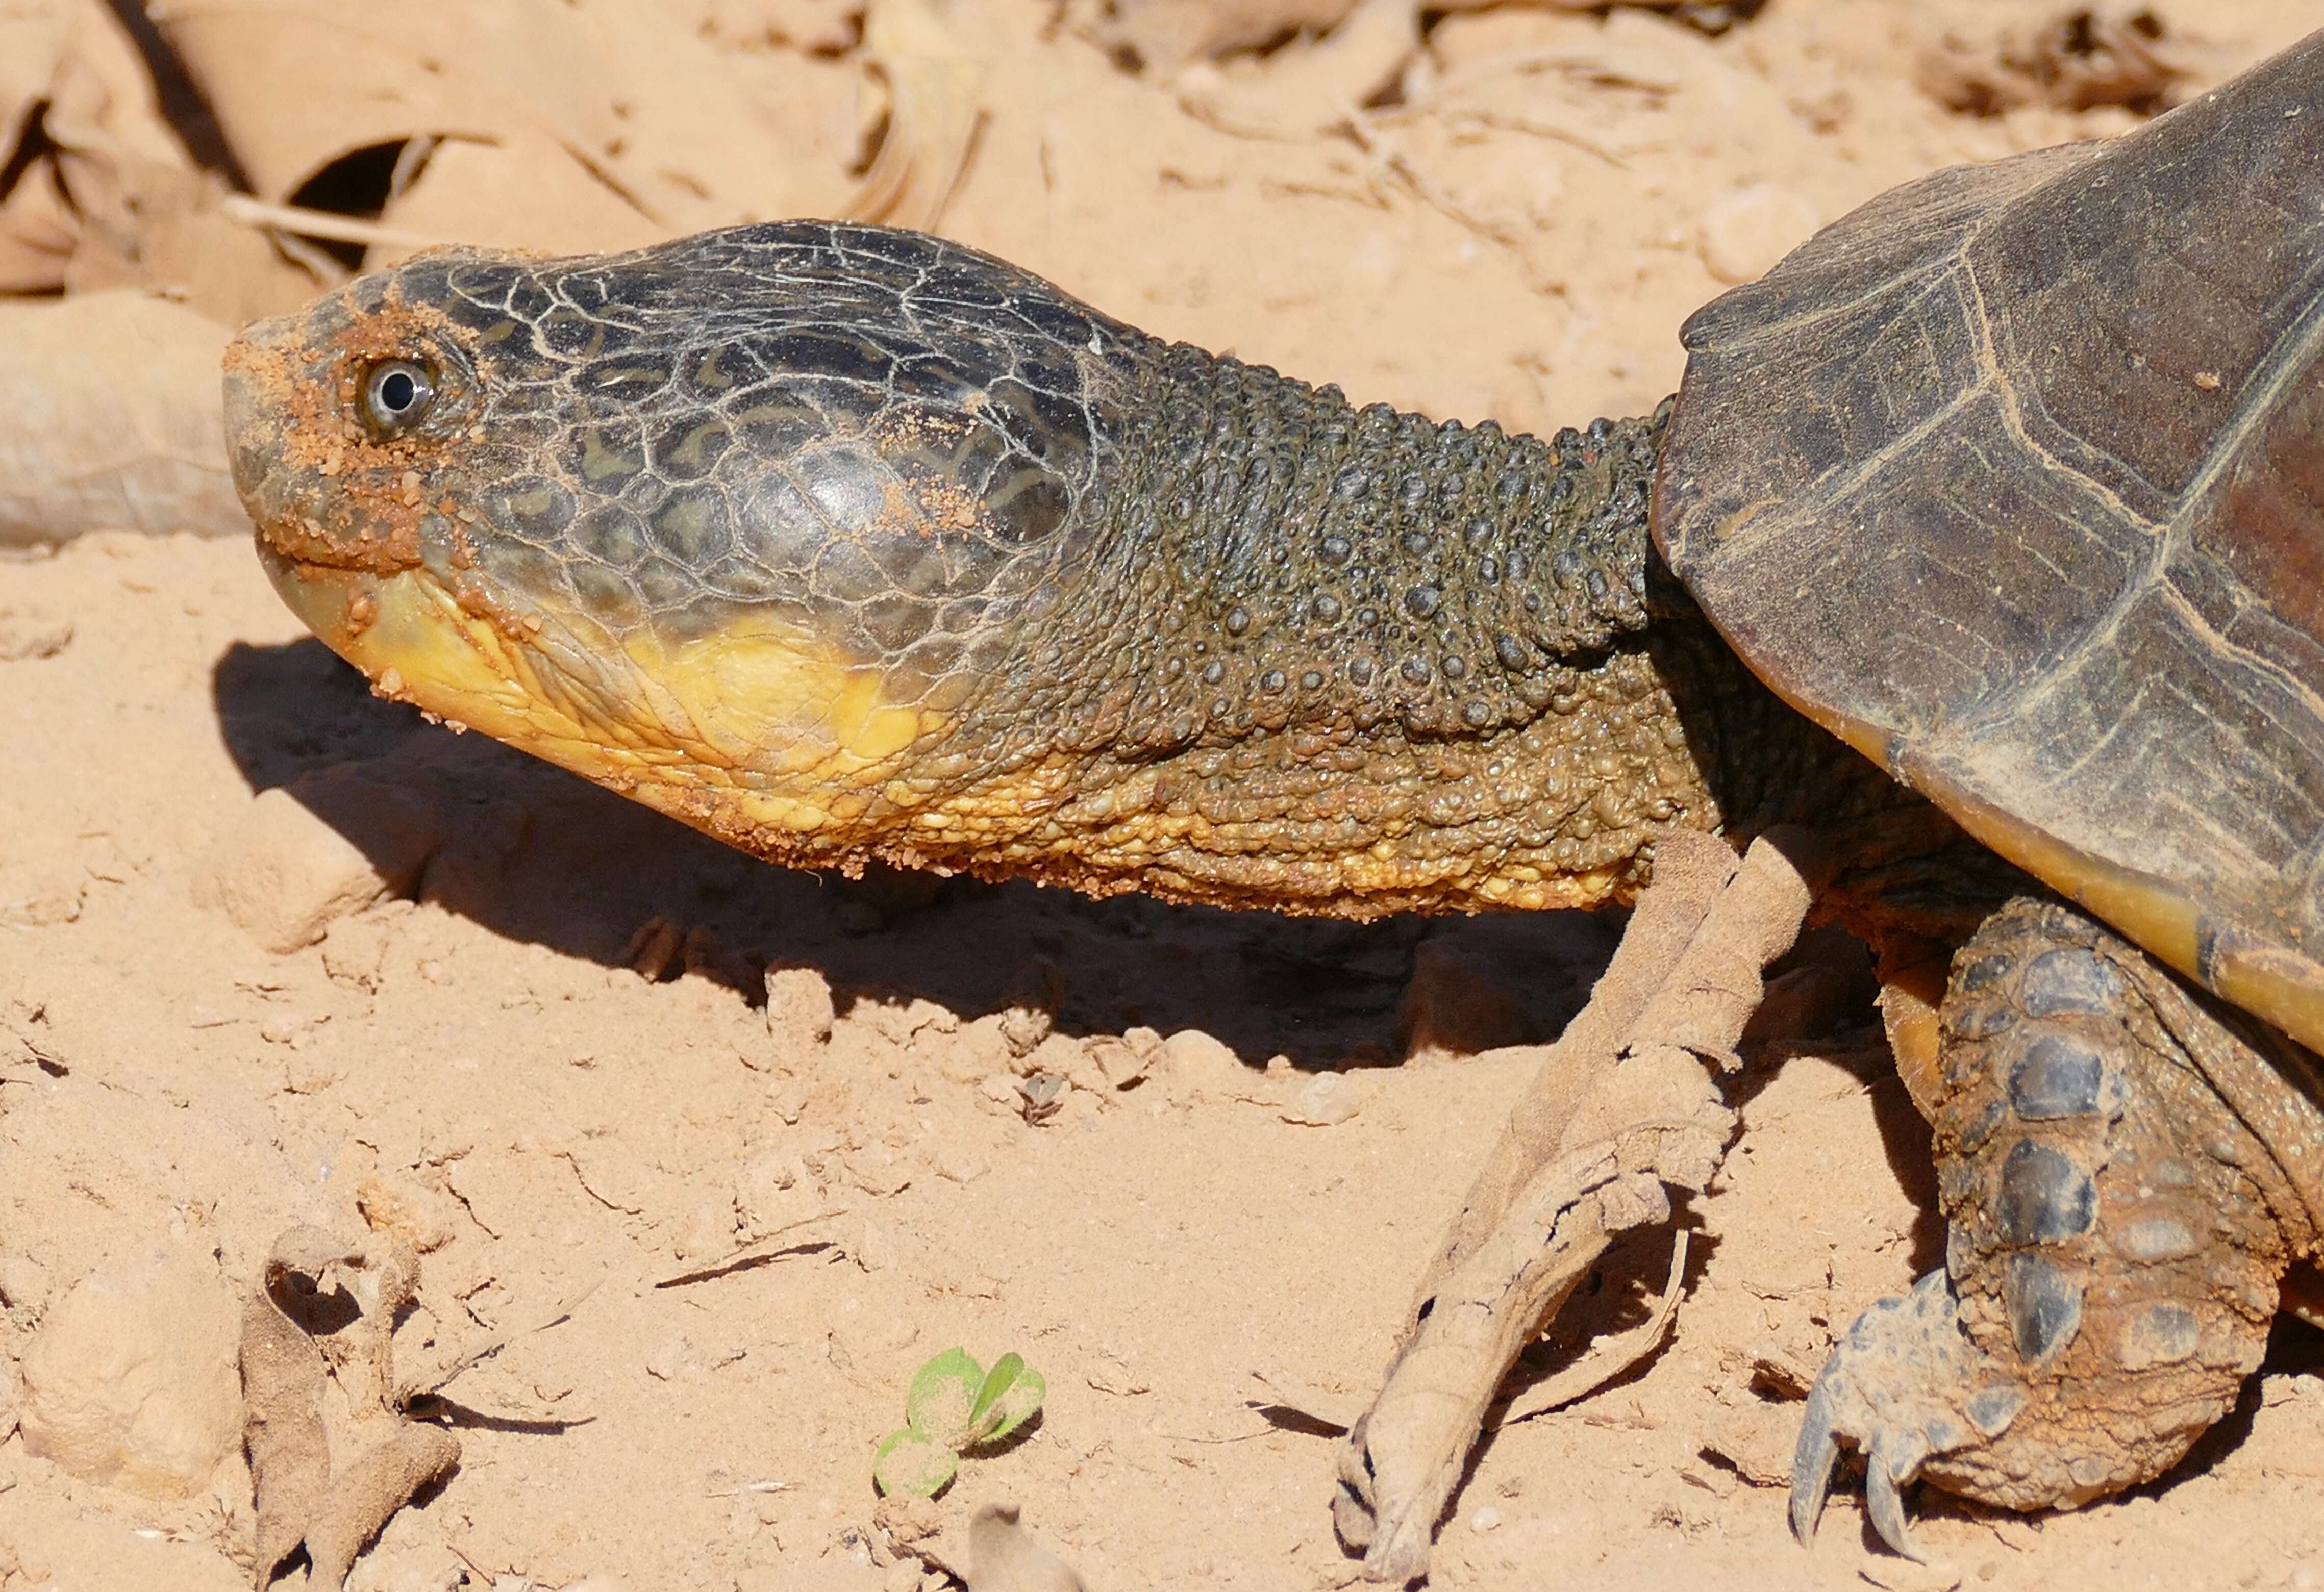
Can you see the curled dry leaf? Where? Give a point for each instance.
(1167, 34)
(2079, 57)
(297, 83)
(701, 145)
(99, 193)
(933, 106)
(520, 189)
(507, 96)
(514, 124)
(75, 118)
(1004, 1557)
(116, 420)
(1623, 1108)
(321, 1320)
(1607, 1357)
(1308, 89)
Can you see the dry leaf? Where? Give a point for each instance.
(514, 124)
(189, 248)
(1004, 1556)
(1167, 34)
(933, 88)
(300, 1341)
(1624, 1107)
(524, 190)
(295, 83)
(116, 420)
(1308, 88)
(2081, 57)
(697, 147)
(100, 181)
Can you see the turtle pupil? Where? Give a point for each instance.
(398, 396)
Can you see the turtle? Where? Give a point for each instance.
(1984, 537)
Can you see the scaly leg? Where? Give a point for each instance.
(1623, 1106)
(2117, 1230)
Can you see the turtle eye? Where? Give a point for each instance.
(397, 396)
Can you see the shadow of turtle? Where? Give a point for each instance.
(533, 853)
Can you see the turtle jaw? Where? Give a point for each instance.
(758, 735)
(416, 643)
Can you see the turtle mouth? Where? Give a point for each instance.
(538, 686)
(759, 723)
(420, 643)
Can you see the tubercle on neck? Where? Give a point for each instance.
(1347, 661)
(1561, 812)
(1275, 558)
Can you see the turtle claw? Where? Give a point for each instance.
(1885, 1477)
(1883, 1498)
(1813, 1463)
(1904, 1386)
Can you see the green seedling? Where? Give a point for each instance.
(954, 1405)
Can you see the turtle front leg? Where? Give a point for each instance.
(1624, 1107)
(2115, 1234)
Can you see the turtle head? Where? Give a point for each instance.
(845, 543)
(734, 524)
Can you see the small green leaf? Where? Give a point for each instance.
(1003, 1406)
(997, 1381)
(943, 1395)
(910, 1464)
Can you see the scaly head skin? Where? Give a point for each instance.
(652, 519)
(842, 543)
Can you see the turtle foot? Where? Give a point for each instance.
(1903, 1386)
(2113, 1242)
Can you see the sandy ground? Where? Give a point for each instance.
(477, 1062)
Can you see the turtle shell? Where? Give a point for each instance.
(2013, 478)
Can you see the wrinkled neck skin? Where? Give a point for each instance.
(1323, 661)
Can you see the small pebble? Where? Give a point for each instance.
(1324, 1101)
(1122, 1062)
(1200, 1067)
(132, 1381)
(301, 857)
(1485, 1520)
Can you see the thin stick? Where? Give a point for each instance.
(321, 224)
